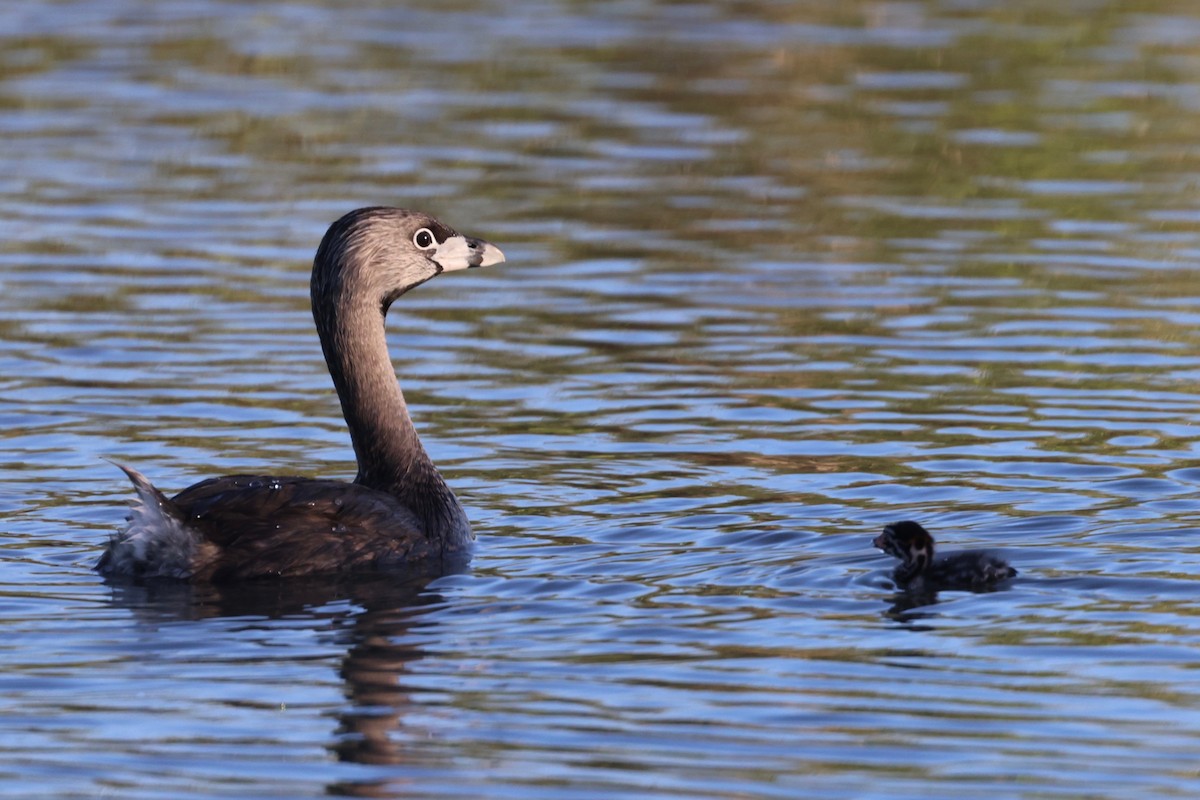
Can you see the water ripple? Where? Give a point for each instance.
(778, 275)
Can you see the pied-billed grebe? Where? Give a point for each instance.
(398, 511)
(967, 569)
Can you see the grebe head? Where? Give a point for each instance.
(909, 542)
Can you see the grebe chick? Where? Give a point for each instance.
(398, 512)
(967, 569)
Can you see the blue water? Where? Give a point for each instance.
(778, 274)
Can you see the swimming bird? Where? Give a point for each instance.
(918, 570)
(398, 511)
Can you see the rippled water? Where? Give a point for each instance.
(779, 273)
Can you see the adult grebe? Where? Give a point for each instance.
(398, 511)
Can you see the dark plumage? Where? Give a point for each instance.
(398, 511)
(971, 570)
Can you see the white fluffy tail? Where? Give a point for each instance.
(156, 542)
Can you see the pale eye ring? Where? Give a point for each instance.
(424, 239)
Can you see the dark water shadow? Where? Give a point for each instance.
(910, 605)
(372, 616)
(174, 601)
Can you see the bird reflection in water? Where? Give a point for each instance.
(371, 616)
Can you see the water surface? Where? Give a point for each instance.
(778, 274)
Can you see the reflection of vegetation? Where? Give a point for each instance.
(844, 223)
(27, 55)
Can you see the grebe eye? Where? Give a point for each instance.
(423, 238)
